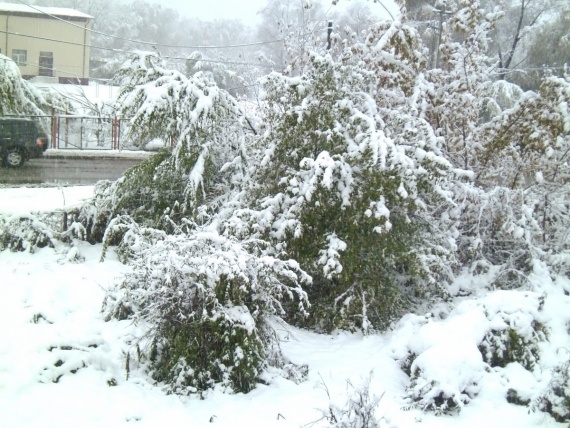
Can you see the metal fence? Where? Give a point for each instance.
(92, 133)
(71, 132)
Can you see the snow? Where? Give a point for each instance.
(62, 365)
(38, 10)
(20, 201)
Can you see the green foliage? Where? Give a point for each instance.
(517, 332)
(556, 398)
(205, 300)
(27, 233)
(193, 181)
(153, 193)
(346, 202)
(502, 347)
(196, 355)
(145, 187)
(149, 189)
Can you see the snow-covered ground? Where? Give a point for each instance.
(62, 365)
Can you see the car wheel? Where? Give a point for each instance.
(14, 157)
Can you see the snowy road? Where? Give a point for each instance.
(71, 169)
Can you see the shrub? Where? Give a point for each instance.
(206, 301)
(556, 398)
(25, 233)
(32, 231)
(346, 201)
(517, 329)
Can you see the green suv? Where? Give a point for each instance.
(20, 140)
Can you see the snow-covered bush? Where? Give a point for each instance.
(144, 193)
(19, 97)
(517, 329)
(345, 201)
(498, 229)
(531, 137)
(206, 126)
(444, 378)
(95, 213)
(556, 399)
(526, 153)
(25, 233)
(355, 178)
(447, 358)
(206, 300)
(32, 231)
(457, 86)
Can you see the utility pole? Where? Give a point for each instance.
(441, 13)
(329, 32)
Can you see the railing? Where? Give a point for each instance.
(84, 132)
(72, 132)
(92, 133)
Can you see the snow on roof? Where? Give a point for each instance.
(38, 10)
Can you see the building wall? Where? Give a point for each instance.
(70, 60)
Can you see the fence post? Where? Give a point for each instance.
(66, 129)
(115, 133)
(54, 131)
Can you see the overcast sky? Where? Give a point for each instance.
(207, 10)
(246, 10)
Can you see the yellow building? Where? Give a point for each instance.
(47, 41)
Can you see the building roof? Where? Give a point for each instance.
(40, 10)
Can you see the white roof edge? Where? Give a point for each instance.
(40, 10)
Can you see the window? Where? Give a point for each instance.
(20, 56)
(46, 64)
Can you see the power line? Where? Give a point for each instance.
(219, 61)
(63, 41)
(130, 52)
(151, 43)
